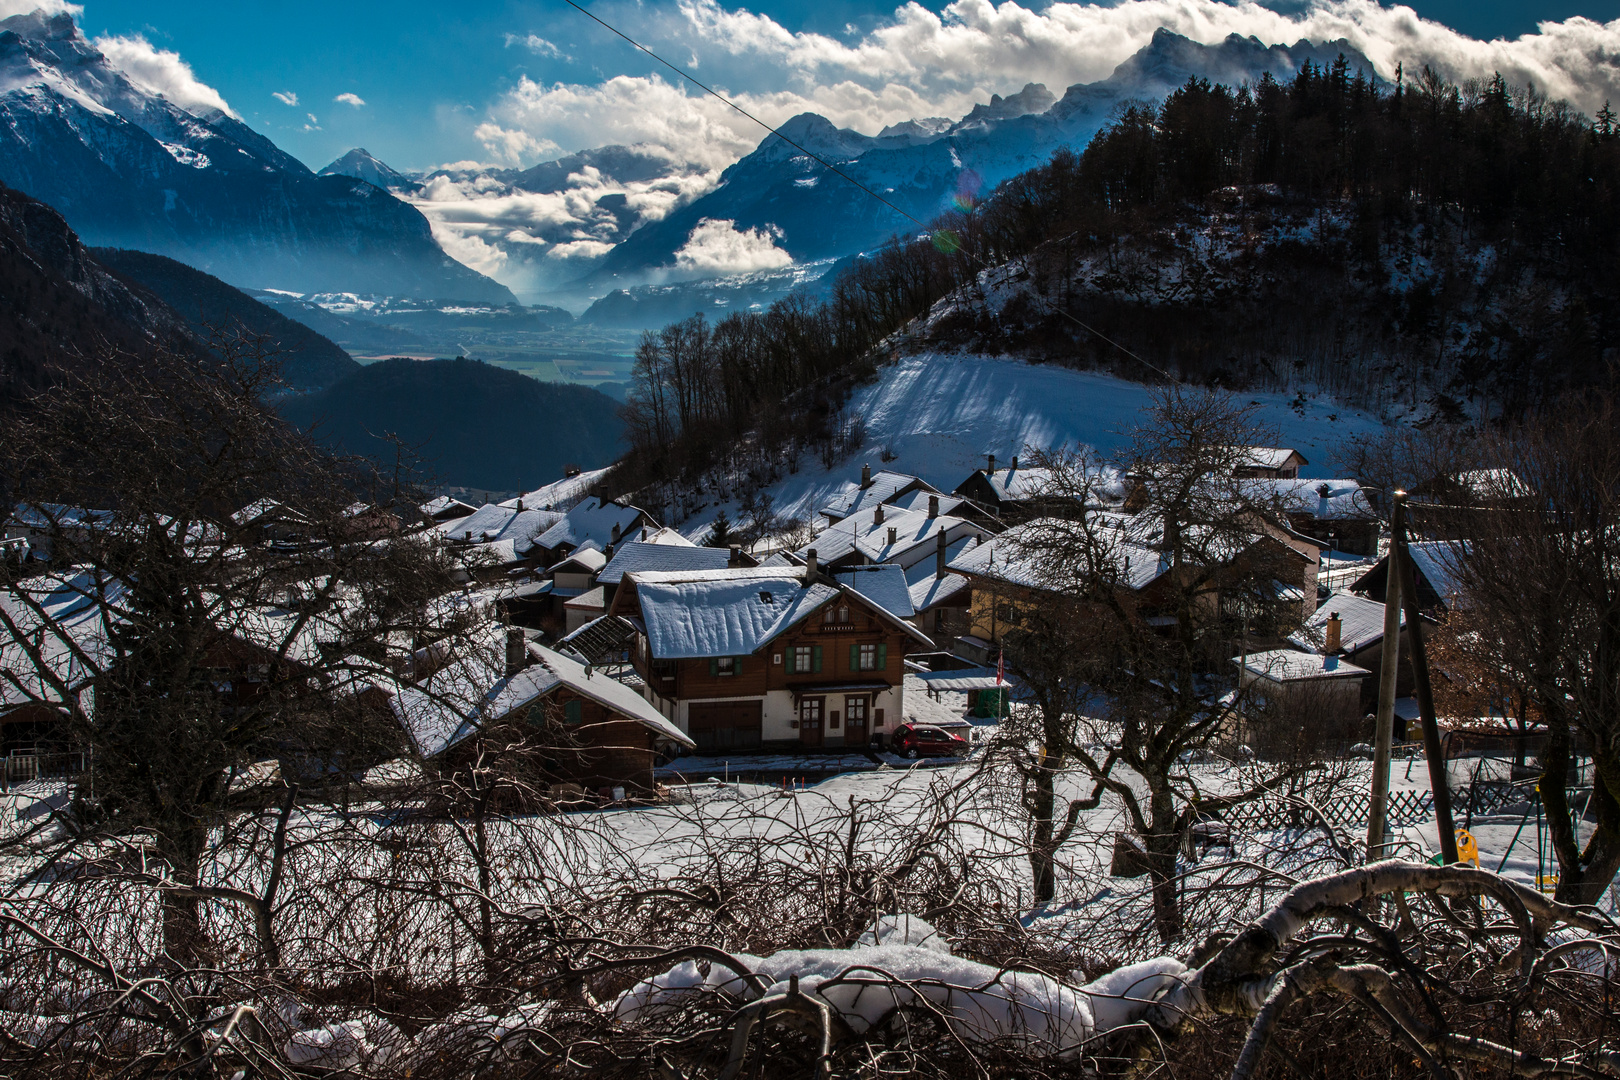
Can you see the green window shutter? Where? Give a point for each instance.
(789, 659)
(714, 665)
(854, 658)
(572, 712)
(815, 659)
(883, 658)
(736, 665)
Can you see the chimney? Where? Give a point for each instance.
(735, 558)
(1323, 494)
(810, 567)
(991, 471)
(866, 477)
(607, 552)
(615, 532)
(520, 504)
(877, 515)
(1015, 463)
(933, 506)
(893, 536)
(939, 555)
(1335, 634)
(517, 652)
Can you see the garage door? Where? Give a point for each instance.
(724, 725)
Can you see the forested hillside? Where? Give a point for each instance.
(1418, 245)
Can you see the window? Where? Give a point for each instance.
(724, 666)
(573, 712)
(838, 616)
(855, 711)
(664, 669)
(802, 658)
(868, 657)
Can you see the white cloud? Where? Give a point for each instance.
(161, 72)
(919, 63)
(286, 97)
(8, 8)
(535, 44)
(719, 247)
(350, 99)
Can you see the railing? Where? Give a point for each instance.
(22, 766)
(1349, 810)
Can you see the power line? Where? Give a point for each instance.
(807, 152)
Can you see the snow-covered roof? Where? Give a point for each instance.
(560, 494)
(1270, 457)
(1440, 561)
(588, 558)
(722, 612)
(1294, 665)
(734, 612)
(912, 529)
(884, 486)
(667, 536)
(927, 588)
(605, 523)
(44, 515)
(1016, 555)
(1325, 500)
(470, 690)
(62, 617)
(595, 598)
(1361, 623)
(649, 555)
(885, 585)
(445, 504)
(933, 590)
(552, 669)
(494, 524)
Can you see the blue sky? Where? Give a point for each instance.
(432, 76)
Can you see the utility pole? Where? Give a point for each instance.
(1439, 781)
(1389, 666)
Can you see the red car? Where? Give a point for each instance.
(925, 740)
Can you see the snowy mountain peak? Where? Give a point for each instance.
(361, 165)
(36, 25)
(1033, 98)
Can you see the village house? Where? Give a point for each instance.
(1300, 698)
(1019, 493)
(33, 527)
(1351, 627)
(941, 599)
(447, 508)
(500, 538)
(1336, 513)
(876, 489)
(1435, 564)
(606, 524)
(768, 656)
(1270, 463)
(640, 555)
(889, 535)
(584, 731)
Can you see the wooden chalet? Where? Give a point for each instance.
(770, 656)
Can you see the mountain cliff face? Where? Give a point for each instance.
(924, 167)
(209, 306)
(128, 168)
(59, 307)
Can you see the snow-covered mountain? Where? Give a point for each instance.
(130, 168)
(574, 229)
(360, 164)
(925, 169)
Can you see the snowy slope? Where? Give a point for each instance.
(939, 414)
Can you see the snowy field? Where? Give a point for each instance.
(940, 414)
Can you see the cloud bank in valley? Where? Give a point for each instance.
(916, 63)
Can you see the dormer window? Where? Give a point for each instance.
(838, 616)
(766, 598)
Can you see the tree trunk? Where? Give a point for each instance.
(183, 939)
(1163, 842)
(1042, 852)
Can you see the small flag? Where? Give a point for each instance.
(1001, 668)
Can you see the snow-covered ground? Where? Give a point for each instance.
(937, 415)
